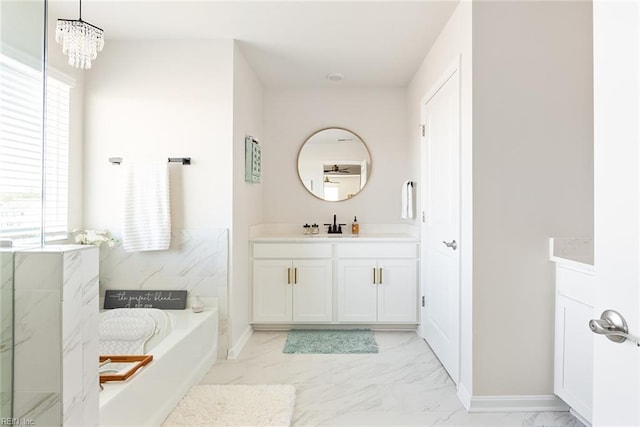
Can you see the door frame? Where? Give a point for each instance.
(451, 71)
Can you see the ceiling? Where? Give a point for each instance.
(288, 43)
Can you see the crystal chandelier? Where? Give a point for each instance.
(80, 40)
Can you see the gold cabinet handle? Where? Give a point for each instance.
(374, 276)
(295, 275)
(380, 282)
(288, 276)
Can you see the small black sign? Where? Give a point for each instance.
(166, 300)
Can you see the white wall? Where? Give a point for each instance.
(58, 66)
(377, 115)
(526, 147)
(159, 99)
(532, 179)
(247, 197)
(453, 42)
(153, 100)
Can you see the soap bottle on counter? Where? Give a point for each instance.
(355, 227)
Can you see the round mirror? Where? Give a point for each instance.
(334, 164)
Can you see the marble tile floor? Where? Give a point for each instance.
(402, 385)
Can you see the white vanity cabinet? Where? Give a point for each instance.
(335, 280)
(292, 283)
(573, 345)
(573, 354)
(377, 282)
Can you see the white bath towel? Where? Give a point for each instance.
(146, 218)
(407, 201)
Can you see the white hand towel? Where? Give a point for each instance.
(407, 201)
(146, 218)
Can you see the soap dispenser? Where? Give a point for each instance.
(355, 227)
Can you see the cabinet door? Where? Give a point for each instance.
(357, 290)
(272, 293)
(573, 380)
(312, 291)
(398, 290)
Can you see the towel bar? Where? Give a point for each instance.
(183, 160)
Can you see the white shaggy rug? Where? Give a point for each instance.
(235, 405)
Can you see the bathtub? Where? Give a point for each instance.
(183, 350)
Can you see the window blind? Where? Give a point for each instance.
(21, 154)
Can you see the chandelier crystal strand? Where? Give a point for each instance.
(80, 41)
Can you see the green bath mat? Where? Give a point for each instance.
(324, 341)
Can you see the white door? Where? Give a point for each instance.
(440, 270)
(312, 291)
(616, 382)
(357, 301)
(397, 290)
(272, 293)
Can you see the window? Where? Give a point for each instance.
(21, 154)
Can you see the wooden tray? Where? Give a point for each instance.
(141, 361)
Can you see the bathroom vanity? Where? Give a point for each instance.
(339, 279)
(334, 278)
(573, 346)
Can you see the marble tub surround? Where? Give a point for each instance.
(572, 250)
(196, 261)
(402, 385)
(6, 330)
(56, 335)
(274, 232)
(6, 268)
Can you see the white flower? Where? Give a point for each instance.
(94, 237)
(91, 236)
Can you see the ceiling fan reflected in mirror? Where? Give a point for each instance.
(344, 169)
(336, 169)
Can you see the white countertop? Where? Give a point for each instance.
(572, 252)
(55, 248)
(336, 238)
(368, 232)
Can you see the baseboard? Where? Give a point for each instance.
(234, 351)
(410, 327)
(524, 403)
(464, 396)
